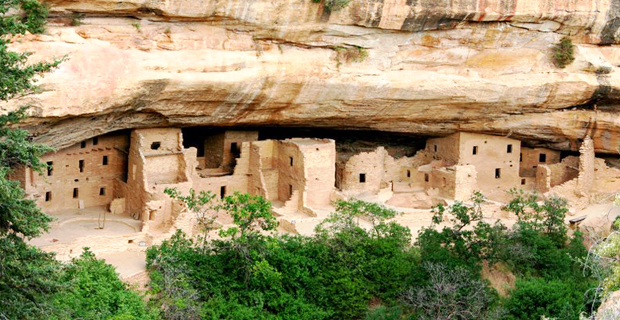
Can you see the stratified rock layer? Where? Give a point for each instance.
(432, 68)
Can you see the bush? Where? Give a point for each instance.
(563, 52)
(533, 298)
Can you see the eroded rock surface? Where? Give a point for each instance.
(432, 68)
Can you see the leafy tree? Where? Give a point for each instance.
(97, 292)
(251, 214)
(27, 275)
(203, 206)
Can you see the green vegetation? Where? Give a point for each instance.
(345, 268)
(76, 18)
(564, 52)
(349, 54)
(137, 25)
(33, 285)
(334, 5)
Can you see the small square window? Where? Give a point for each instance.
(102, 191)
(362, 177)
(105, 160)
(522, 182)
(50, 168)
(95, 141)
(509, 148)
(76, 193)
(474, 150)
(498, 173)
(83, 144)
(542, 158)
(48, 196)
(155, 145)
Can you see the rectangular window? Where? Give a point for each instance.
(234, 147)
(498, 173)
(521, 157)
(291, 160)
(542, 158)
(102, 191)
(426, 178)
(105, 160)
(408, 173)
(155, 145)
(95, 141)
(222, 192)
(48, 196)
(83, 144)
(522, 182)
(81, 165)
(509, 148)
(50, 168)
(290, 189)
(435, 148)
(474, 150)
(76, 193)
(362, 177)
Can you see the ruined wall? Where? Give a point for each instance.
(492, 154)
(585, 180)
(222, 149)
(83, 172)
(444, 180)
(465, 182)
(543, 178)
(446, 148)
(364, 172)
(319, 171)
(530, 158)
(289, 162)
(214, 150)
(227, 185)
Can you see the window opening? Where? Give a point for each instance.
(76, 193)
(105, 160)
(509, 148)
(498, 173)
(83, 144)
(102, 191)
(291, 160)
(155, 145)
(290, 189)
(50, 168)
(95, 141)
(222, 192)
(362, 177)
(48, 196)
(542, 157)
(474, 150)
(235, 150)
(426, 178)
(522, 182)
(435, 148)
(81, 165)
(521, 157)
(408, 173)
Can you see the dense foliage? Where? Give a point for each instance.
(361, 264)
(33, 284)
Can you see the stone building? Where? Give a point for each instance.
(82, 175)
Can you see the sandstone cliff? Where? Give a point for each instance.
(433, 67)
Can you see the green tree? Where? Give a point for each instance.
(27, 275)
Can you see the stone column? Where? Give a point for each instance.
(585, 180)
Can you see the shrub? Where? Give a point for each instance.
(563, 52)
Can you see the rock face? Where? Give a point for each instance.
(427, 67)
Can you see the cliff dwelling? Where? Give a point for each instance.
(108, 191)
